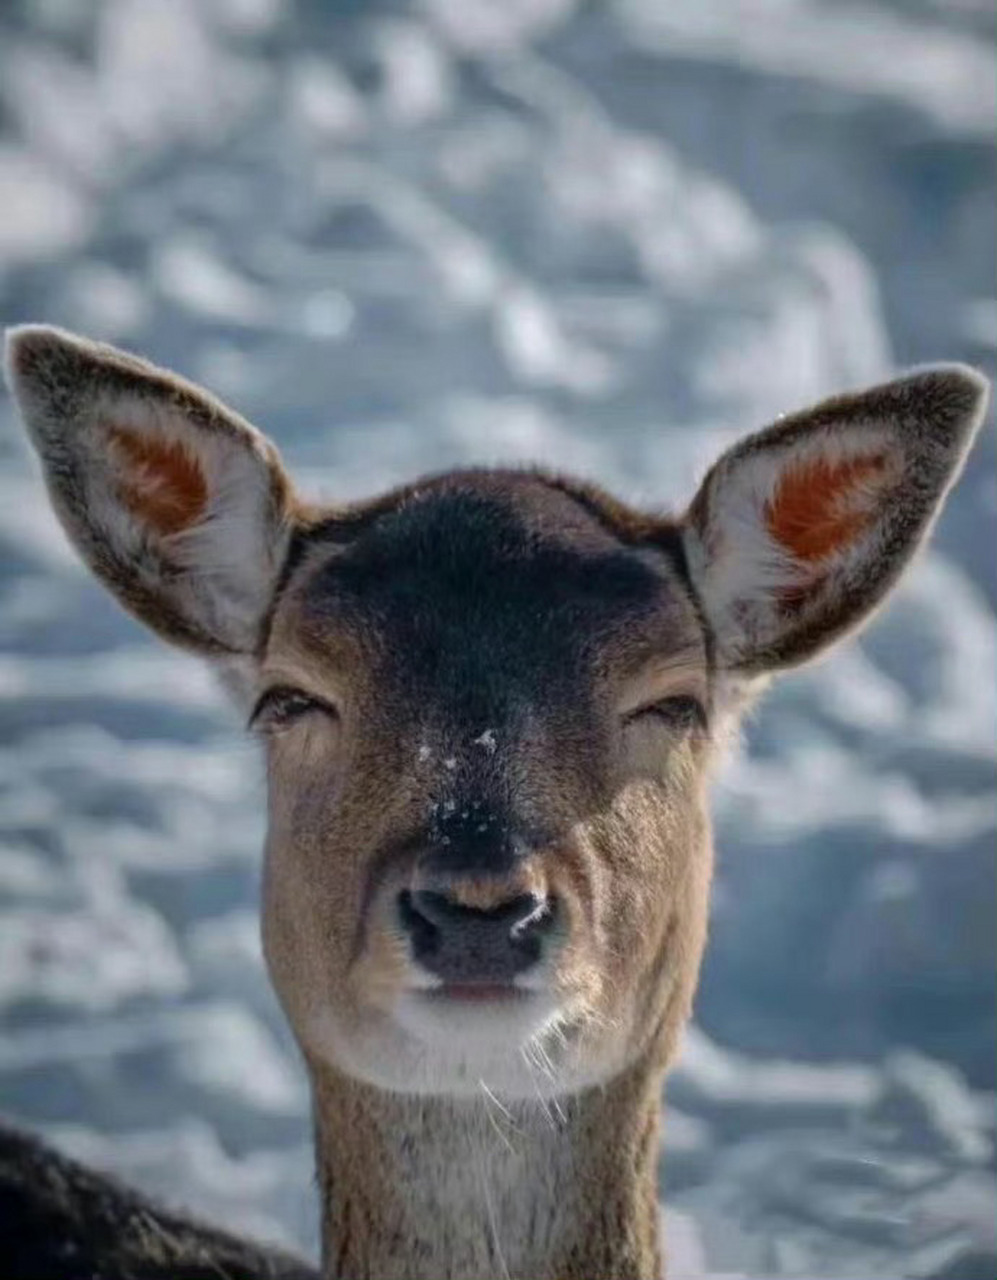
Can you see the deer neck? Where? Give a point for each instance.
(426, 1187)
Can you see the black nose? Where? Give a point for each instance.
(465, 945)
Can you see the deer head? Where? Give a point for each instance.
(489, 700)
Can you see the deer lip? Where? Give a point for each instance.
(477, 992)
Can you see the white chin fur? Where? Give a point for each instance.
(517, 1050)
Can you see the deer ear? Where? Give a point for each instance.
(800, 531)
(179, 506)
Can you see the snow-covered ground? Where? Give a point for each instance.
(607, 236)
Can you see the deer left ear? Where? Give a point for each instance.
(799, 532)
(178, 505)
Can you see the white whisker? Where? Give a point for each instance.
(491, 1119)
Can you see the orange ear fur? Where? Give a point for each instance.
(822, 505)
(162, 484)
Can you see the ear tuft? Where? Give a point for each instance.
(800, 531)
(952, 397)
(35, 352)
(55, 368)
(180, 506)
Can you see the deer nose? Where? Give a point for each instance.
(469, 946)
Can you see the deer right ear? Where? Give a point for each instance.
(179, 506)
(799, 532)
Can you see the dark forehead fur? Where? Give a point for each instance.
(494, 582)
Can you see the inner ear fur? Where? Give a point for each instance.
(174, 501)
(800, 531)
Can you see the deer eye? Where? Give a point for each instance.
(681, 713)
(283, 706)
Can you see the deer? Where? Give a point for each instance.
(491, 703)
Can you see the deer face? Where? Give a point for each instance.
(489, 701)
(487, 717)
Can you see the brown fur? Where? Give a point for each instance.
(61, 1221)
(500, 683)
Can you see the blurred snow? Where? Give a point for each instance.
(865, 48)
(402, 237)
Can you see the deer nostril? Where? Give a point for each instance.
(423, 932)
(440, 909)
(468, 945)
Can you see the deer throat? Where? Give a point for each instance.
(420, 1188)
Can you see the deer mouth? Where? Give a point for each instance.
(477, 992)
(455, 1014)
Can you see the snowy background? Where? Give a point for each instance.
(607, 236)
